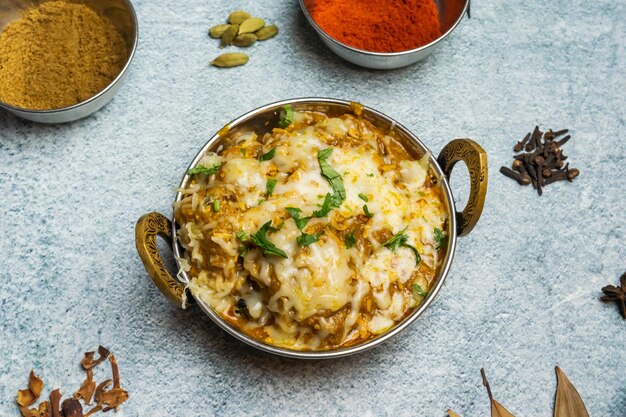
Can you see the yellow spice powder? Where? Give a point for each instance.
(58, 54)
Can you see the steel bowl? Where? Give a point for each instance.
(461, 223)
(122, 15)
(451, 13)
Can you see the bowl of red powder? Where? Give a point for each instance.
(384, 34)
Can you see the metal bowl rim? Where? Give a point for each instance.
(102, 92)
(326, 36)
(340, 352)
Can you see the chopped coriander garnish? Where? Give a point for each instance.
(243, 238)
(439, 238)
(286, 116)
(419, 290)
(418, 258)
(306, 239)
(396, 240)
(350, 240)
(260, 240)
(364, 197)
(332, 176)
(327, 205)
(216, 205)
(370, 175)
(399, 240)
(243, 152)
(367, 211)
(201, 169)
(277, 228)
(271, 183)
(260, 201)
(295, 213)
(268, 156)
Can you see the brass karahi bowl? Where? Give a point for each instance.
(459, 223)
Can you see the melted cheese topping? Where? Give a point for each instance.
(351, 283)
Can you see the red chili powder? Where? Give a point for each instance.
(379, 25)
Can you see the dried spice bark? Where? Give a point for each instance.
(106, 399)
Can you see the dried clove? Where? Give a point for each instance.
(521, 180)
(614, 294)
(520, 145)
(540, 160)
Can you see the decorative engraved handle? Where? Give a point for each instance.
(149, 226)
(475, 158)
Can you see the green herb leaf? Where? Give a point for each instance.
(260, 240)
(268, 156)
(216, 205)
(243, 250)
(286, 116)
(323, 154)
(332, 176)
(399, 240)
(295, 213)
(350, 240)
(201, 169)
(418, 258)
(327, 206)
(242, 236)
(277, 228)
(306, 239)
(363, 197)
(419, 290)
(440, 239)
(370, 175)
(260, 201)
(269, 188)
(367, 211)
(243, 152)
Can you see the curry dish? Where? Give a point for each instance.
(322, 234)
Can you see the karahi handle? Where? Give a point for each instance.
(475, 157)
(148, 227)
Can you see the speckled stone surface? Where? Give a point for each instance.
(522, 295)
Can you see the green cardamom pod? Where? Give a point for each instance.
(229, 35)
(216, 32)
(245, 40)
(266, 33)
(238, 17)
(230, 59)
(251, 25)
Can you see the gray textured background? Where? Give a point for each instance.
(523, 292)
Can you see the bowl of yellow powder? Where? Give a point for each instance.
(62, 60)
